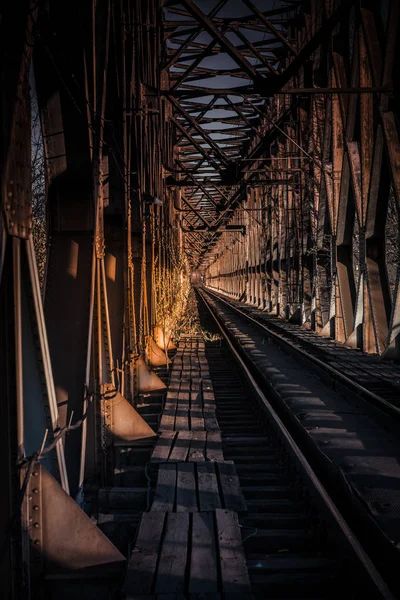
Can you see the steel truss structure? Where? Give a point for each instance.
(261, 142)
(316, 169)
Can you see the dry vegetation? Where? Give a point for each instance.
(176, 306)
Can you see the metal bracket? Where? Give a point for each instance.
(34, 513)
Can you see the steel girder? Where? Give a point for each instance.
(325, 250)
(215, 127)
(105, 149)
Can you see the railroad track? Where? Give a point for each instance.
(297, 543)
(373, 381)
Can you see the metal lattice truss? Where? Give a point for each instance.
(225, 62)
(322, 245)
(222, 61)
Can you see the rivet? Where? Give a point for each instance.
(36, 525)
(36, 507)
(37, 542)
(35, 491)
(36, 473)
(11, 224)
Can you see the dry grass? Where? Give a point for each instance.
(176, 305)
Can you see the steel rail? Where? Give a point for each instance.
(325, 500)
(335, 375)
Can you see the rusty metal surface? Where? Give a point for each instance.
(61, 533)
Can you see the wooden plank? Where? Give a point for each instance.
(211, 424)
(214, 447)
(208, 393)
(186, 497)
(183, 399)
(235, 578)
(172, 564)
(171, 401)
(176, 376)
(181, 448)
(182, 419)
(208, 486)
(209, 412)
(197, 447)
(196, 419)
(167, 422)
(173, 389)
(175, 380)
(231, 491)
(163, 447)
(203, 560)
(196, 400)
(143, 561)
(165, 489)
(209, 404)
(168, 417)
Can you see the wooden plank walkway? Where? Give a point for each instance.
(190, 401)
(193, 556)
(191, 446)
(188, 545)
(198, 486)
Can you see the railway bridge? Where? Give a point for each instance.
(200, 299)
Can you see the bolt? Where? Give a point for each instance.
(35, 473)
(37, 542)
(36, 525)
(36, 507)
(35, 491)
